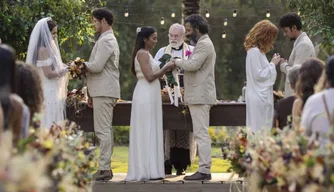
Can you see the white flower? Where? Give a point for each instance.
(138, 30)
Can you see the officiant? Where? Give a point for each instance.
(179, 146)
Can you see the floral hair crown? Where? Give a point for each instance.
(138, 30)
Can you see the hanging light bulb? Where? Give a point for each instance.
(173, 14)
(235, 13)
(225, 22)
(162, 21)
(126, 13)
(298, 12)
(224, 35)
(207, 14)
(268, 13)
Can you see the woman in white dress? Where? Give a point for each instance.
(261, 76)
(43, 51)
(146, 153)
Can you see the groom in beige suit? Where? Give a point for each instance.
(303, 47)
(200, 90)
(103, 87)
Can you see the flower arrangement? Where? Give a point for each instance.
(236, 152)
(62, 158)
(77, 69)
(165, 97)
(74, 98)
(291, 162)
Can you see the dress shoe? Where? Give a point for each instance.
(180, 172)
(198, 176)
(103, 175)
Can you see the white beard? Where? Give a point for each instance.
(176, 45)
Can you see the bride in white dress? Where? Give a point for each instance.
(43, 51)
(146, 158)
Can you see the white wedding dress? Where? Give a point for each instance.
(146, 158)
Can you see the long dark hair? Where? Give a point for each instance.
(27, 76)
(330, 71)
(144, 33)
(309, 75)
(7, 67)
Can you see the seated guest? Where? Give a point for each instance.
(28, 76)
(12, 105)
(283, 108)
(318, 114)
(308, 77)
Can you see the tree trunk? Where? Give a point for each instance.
(190, 7)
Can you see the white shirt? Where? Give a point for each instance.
(314, 118)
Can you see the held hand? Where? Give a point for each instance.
(90, 102)
(276, 58)
(170, 65)
(282, 61)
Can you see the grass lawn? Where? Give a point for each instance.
(120, 161)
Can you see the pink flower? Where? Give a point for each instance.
(188, 53)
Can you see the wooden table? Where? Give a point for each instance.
(222, 114)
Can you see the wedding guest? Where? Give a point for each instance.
(303, 47)
(43, 52)
(318, 113)
(261, 76)
(27, 76)
(200, 90)
(283, 109)
(103, 87)
(146, 153)
(12, 105)
(179, 146)
(309, 74)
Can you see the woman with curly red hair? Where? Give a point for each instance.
(261, 76)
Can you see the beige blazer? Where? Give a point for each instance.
(303, 49)
(103, 67)
(199, 73)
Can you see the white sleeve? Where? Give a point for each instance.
(159, 54)
(259, 72)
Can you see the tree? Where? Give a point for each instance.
(317, 17)
(18, 17)
(190, 7)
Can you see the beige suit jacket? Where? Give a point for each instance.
(199, 73)
(303, 49)
(103, 67)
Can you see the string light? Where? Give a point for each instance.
(126, 13)
(298, 12)
(162, 21)
(235, 13)
(225, 22)
(268, 13)
(173, 15)
(207, 14)
(224, 35)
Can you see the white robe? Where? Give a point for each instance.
(261, 76)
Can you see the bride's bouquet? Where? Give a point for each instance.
(77, 69)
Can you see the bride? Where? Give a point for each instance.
(43, 51)
(146, 154)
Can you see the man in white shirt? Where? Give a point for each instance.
(303, 47)
(180, 149)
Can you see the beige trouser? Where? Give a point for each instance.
(103, 113)
(200, 115)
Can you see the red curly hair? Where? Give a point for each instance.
(262, 35)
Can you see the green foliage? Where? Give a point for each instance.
(317, 17)
(18, 17)
(121, 135)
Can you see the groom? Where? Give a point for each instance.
(103, 87)
(200, 89)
